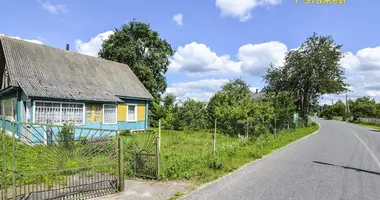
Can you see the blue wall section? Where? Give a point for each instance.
(131, 125)
(38, 133)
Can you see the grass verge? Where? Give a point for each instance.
(377, 127)
(187, 155)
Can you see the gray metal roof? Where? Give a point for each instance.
(258, 96)
(45, 72)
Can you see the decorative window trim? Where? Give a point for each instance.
(131, 104)
(104, 114)
(60, 102)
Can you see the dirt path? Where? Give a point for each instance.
(152, 190)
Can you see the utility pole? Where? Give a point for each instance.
(346, 104)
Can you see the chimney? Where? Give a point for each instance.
(257, 91)
(67, 47)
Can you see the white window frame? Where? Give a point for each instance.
(60, 102)
(131, 104)
(27, 111)
(2, 102)
(103, 114)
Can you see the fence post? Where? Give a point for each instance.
(158, 149)
(120, 145)
(4, 188)
(14, 192)
(214, 138)
(246, 134)
(275, 127)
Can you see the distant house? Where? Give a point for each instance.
(257, 96)
(42, 84)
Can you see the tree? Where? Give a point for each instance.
(141, 48)
(308, 73)
(284, 108)
(192, 115)
(232, 106)
(363, 107)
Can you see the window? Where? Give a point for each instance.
(131, 113)
(1, 107)
(7, 106)
(27, 111)
(59, 113)
(109, 114)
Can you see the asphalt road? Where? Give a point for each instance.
(340, 161)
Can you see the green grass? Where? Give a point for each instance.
(187, 155)
(377, 127)
(176, 196)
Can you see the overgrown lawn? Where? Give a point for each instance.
(187, 154)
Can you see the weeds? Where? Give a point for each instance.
(187, 155)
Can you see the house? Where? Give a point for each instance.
(257, 96)
(41, 84)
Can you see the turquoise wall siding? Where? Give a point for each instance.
(8, 125)
(37, 134)
(20, 115)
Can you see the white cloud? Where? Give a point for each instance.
(201, 90)
(56, 9)
(93, 46)
(363, 74)
(196, 59)
(242, 8)
(178, 19)
(256, 58)
(28, 40)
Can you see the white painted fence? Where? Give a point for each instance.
(370, 120)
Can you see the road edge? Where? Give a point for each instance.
(245, 165)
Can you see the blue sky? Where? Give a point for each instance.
(215, 40)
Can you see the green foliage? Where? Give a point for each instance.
(284, 108)
(308, 73)
(338, 109)
(364, 107)
(66, 136)
(187, 154)
(232, 106)
(142, 49)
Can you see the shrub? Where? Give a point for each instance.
(66, 136)
(215, 162)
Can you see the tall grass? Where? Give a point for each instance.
(187, 155)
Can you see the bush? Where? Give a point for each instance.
(66, 136)
(215, 162)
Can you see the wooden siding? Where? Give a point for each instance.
(94, 113)
(122, 112)
(141, 112)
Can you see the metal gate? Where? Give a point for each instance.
(45, 161)
(143, 153)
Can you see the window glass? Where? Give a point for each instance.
(131, 116)
(109, 114)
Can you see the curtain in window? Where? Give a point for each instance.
(110, 114)
(58, 113)
(131, 113)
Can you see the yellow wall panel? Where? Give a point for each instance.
(94, 113)
(122, 112)
(141, 112)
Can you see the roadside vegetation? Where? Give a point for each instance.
(187, 155)
(362, 111)
(247, 128)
